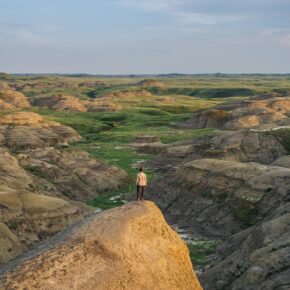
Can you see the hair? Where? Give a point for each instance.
(141, 169)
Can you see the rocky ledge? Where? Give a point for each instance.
(130, 247)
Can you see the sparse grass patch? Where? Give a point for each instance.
(245, 211)
(200, 252)
(284, 136)
(35, 170)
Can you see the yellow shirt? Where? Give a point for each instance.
(141, 179)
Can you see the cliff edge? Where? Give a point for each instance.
(130, 247)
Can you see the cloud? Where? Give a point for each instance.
(150, 5)
(278, 36)
(195, 12)
(210, 18)
(27, 34)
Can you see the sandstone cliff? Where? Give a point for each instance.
(130, 247)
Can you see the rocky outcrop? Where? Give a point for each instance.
(33, 217)
(13, 100)
(26, 130)
(242, 145)
(72, 104)
(10, 246)
(266, 112)
(150, 83)
(130, 247)
(255, 259)
(220, 197)
(73, 172)
(127, 94)
(27, 210)
(38, 181)
(61, 103)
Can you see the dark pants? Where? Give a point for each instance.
(140, 191)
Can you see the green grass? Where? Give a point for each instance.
(35, 170)
(284, 136)
(104, 201)
(200, 252)
(108, 134)
(245, 211)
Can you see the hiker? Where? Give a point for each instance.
(141, 183)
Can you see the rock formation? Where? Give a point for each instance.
(130, 247)
(256, 258)
(221, 197)
(234, 186)
(26, 130)
(13, 100)
(61, 103)
(261, 112)
(39, 179)
(28, 214)
(73, 172)
(72, 104)
(150, 83)
(127, 94)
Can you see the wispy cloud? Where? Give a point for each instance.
(151, 5)
(278, 36)
(210, 18)
(27, 34)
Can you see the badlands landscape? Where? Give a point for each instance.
(215, 149)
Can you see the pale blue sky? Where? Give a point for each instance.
(145, 36)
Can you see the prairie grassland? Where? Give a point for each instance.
(167, 102)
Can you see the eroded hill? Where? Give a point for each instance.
(234, 186)
(130, 247)
(42, 179)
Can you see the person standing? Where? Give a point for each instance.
(141, 183)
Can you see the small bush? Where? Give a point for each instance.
(245, 211)
(217, 114)
(284, 136)
(35, 170)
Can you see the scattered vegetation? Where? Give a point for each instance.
(284, 136)
(217, 114)
(245, 211)
(201, 251)
(35, 170)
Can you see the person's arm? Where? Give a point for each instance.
(137, 179)
(145, 179)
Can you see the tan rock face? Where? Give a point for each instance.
(10, 246)
(253, 113)
(150, 83)
(130, 247)
(74, 173)
(72, 104)
(61, 103)
(27, 130)
(32, 217)
(127, 94)
(12, 100)
(21, 118)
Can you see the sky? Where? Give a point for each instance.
(145, 36)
